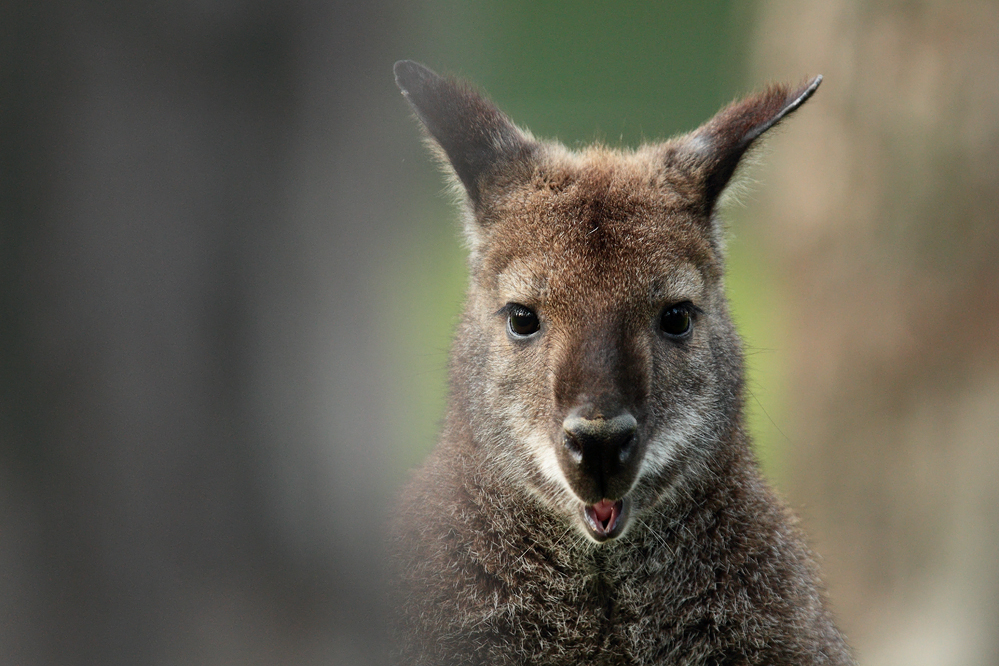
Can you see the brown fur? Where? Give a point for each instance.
(496, 562)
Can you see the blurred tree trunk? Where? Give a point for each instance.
(192, 205)
(882, 204)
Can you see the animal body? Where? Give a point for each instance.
(594, 498)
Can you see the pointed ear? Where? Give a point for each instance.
(719, 145)
(475, 136)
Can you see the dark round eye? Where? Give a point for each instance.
(675, 321)
(523, 321)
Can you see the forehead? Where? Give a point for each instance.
(602, 220)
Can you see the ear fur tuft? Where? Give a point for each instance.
(474, 134)
(720, 144)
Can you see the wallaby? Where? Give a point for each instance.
(594, 498)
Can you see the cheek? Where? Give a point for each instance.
(521, 383)
(682, 407)
(521, 403)
(680, 380)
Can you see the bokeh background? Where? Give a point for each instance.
(229, 272)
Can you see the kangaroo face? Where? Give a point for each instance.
(600, 297)
(596, 361)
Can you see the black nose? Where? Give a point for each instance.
(603, 453)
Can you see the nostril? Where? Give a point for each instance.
(628, 448)
(573, 447)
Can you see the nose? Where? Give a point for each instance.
(604, 452)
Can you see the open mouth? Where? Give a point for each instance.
(605, 519)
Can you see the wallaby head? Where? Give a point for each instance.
(596, 360)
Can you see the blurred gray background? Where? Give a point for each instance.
(229, 272)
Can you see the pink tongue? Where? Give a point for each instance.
(603, 510)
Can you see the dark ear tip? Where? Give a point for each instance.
(808, 90)
(793, 103)
(411, 75)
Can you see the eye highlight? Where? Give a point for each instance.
(522, 322)
(676, 321)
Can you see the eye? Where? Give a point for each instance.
(522, 321)
(675, 320)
